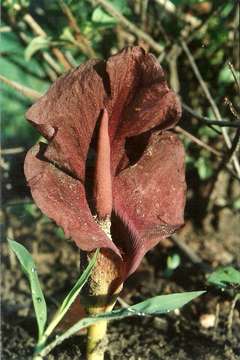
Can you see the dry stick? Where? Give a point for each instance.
(30, 93)
(188, 33)
(12, 151)
(5, 29)
(198, 141)
(207, 121)
(144, 9)
(195, 259)
(172, 9)
(189, 253)
(195, 23)
(236, 147)
(237, 81)
(82, 41)
(130, 26)
(223, 164)
(235, 143)
(172, 60)
(211, 101)
(71, 59)
(52, 74)
(122, 302)
(203, 24)
(205, 146)
(217, 312)
(40, 32)
(230, 316)
(53, 65)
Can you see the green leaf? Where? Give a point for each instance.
(236, 204)
(99, 16)
(67, 302)
(29, 268)
(122, 6)
(225, 276)
(204, 168)
(205, 132)
(225, 76)
(78, 286)
(38, 43)
(153, 306)
(67, 35)
(164, 303)
(173, 261)
(14, 105)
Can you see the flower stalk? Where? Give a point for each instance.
(95, 341)
(100, 295)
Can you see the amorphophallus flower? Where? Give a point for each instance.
(112, 171)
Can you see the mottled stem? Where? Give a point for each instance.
(95, 341)
(100, 295)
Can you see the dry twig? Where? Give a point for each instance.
(12, 151)
(130, 26)
(230, 316)
(81, 41)
(40, 32)
(171, 8)
(237, 81)
(211, 101)
(53, 70)
(198, 141)
(207, 121)
(190, 254)
(30, 93)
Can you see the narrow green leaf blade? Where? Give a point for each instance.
(156, 305)
(164, 303)
(22, 254)
(67, 302)
(69, 299)
(101, 17)
(29, 268)
(225, 276)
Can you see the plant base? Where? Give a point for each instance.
(97, 341)
(99, 296)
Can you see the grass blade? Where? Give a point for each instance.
(164, 303)
(225, 276)
(67, 302)
(29, 269)
(153, 306)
